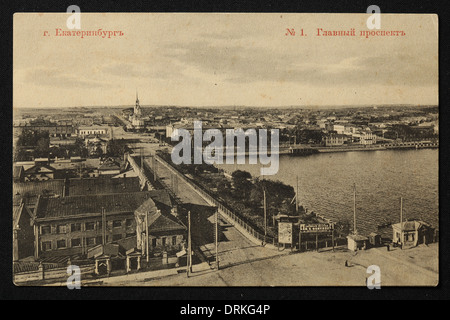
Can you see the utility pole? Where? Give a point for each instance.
(299, 236)
(217, 239)
(354, 209)
(401, 222)
(142, 162)
(296, 199)
(189, 257)
(265, 216)
(175, 180)
(103, 226)
(332, 236)
(154, 167)
(147, 237)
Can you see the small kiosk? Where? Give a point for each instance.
(357, 242)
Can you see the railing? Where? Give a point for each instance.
(140, 171)
(43, 273)
(243, 226)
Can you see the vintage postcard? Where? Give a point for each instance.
(225, 149)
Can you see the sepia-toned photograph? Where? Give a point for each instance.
(225, 150)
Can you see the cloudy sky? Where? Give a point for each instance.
(223, 59)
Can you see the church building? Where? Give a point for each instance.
(136, 118)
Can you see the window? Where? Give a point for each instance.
(62, 228)
(75, 227)
(46, 230)
(60, 244)
(76, 242)
(129, 222)
(46, 246)
(99, 240)
(90, 226)
(163, 241)
(117, 237)
(117, 223)
(174, 240)
(90, 241)
(154, 242)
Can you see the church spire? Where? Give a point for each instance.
(137, 107)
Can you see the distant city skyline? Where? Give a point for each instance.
(218, 60)
(322, 107)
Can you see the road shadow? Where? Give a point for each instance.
(203, 231)
(230, 265)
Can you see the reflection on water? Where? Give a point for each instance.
(381, 178)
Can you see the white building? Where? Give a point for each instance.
(368, 138)
(87, 131)
(339, 128)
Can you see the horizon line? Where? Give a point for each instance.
(241, 106)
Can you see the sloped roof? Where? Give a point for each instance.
(39, 168)
(161, 197)
(17, 171)
(50, 208)
(103, 186)
(163, 222)
(158, 220)
(29, 191)
(110, 164)
(357, 237)
(90, 204)
(410, 225)
(17, 210)
(148, 206)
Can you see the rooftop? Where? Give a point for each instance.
(103, 186)
(357, 237)
(410, 225)
(158, 220)
(39, 168)
(72, 206)
(29, 191)
(165, 222)
(110, 164)
(17, 171)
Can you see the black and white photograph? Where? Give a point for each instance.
(225, 150)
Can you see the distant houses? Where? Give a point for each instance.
(335, 139)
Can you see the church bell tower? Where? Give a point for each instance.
(137, 107)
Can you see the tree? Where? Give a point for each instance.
(43, 147)
(21, 155)
(242, 184)
(116, 148)
(343, 227)
(278, 196)
(99, 152)
(240, 175)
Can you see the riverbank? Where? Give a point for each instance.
(404, 146)
(325, 184)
